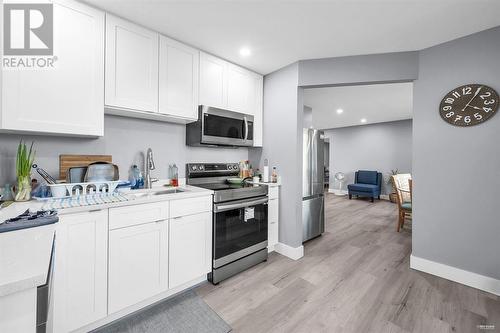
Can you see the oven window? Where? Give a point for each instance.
(236, 230)
(223, 127)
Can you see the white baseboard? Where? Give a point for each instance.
(294, 253)
(451, 273)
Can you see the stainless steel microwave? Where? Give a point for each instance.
(219, 127)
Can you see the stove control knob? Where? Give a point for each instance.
(194, 167)
(229, 167)
(201, 168)
(235, 167)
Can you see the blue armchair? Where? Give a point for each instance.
(366, 184)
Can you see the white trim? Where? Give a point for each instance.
(294, 253)
(451, 273)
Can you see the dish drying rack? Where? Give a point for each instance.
(85, 194)
(96, 187)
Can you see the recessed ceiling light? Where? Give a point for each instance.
(339, 111)
(245, 51)
(363, 120)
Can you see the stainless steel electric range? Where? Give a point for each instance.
(239, 224)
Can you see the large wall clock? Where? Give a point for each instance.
(469, 105)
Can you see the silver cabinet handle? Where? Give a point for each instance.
(240, 204)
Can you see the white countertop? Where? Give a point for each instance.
(136, 197)
(21, 249)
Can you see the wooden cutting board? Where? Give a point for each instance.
(69, 161)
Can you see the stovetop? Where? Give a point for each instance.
(213, 176)
(225, 186)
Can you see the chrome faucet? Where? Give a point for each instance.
(150, 165)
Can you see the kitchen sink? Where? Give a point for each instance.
(146, 193)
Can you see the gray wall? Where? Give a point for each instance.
(457, 170)
(381, 147)
(386, 67)
(281, 146)
(307, 120)
(124, 138)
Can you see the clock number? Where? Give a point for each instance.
(478, 116)
(449, 114)
(447, 108)
(491, 101)
(487, 109)
(485, 95)
(467, 91)
(456, 94)
(458, 118)
(467, 119)
(449, 100)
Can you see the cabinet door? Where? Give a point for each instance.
(138, 263)
(69, 98)
(179, 78)
(258, 116)
(273, 223)
(131, 66)
(190, 251)
(240, 90)
(213, 81)
(80, 270)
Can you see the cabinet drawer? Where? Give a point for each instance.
(138, 214)
(273, 211)
(273, 192)
(190, 206)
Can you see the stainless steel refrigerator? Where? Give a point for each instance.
(313, 175)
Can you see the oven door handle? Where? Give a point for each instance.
(224, 207)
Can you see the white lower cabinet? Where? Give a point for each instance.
(138, 263)
(108, 261)
(79, 282)
(190, 252)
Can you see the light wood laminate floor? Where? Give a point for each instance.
(354, 278)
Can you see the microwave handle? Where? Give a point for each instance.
(246, 128)
(225, 207)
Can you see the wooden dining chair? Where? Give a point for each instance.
(403, 185)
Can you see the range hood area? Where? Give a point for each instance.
(217, 127)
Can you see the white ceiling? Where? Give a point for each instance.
(376, 103)
(281, 32)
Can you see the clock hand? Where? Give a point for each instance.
(477, 92)
(475, 107)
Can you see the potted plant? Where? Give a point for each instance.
(392, 196)
(24, 161)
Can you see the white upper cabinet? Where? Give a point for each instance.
(131, 66)
(69, 98)
(227, 86)
(241, 90)
(213, 81)
(179, 76)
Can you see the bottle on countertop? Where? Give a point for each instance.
(274, 177)
(265, 177)
(136, 178)
(174, 175)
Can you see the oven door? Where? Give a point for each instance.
(223, 127)
(239, 229)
